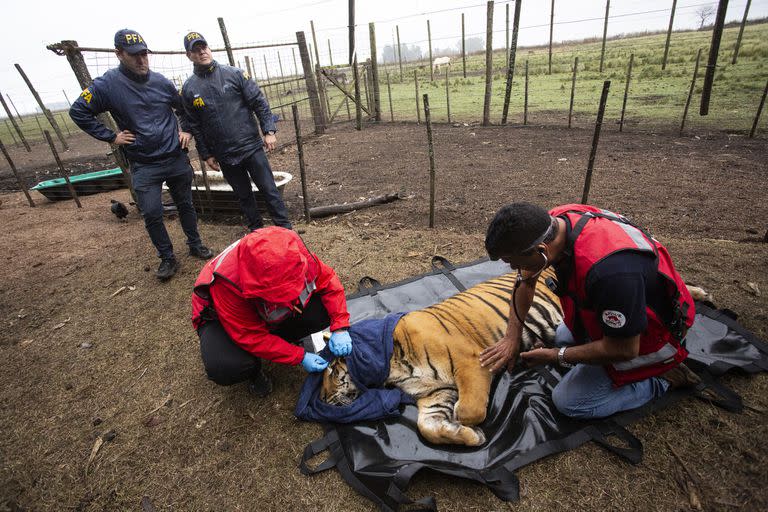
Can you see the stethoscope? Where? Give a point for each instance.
(519, 280)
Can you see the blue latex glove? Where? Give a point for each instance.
(313, 363)
(340, 343)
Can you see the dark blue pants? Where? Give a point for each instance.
(148, 183)
(226, 363)
(256, 167)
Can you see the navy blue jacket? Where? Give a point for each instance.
(143, 105)
(219, 102)
(368, 366)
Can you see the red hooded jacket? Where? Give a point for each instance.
(267, 270)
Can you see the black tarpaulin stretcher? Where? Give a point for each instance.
(379, 458)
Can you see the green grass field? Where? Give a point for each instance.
(656, 98)
(32, 126)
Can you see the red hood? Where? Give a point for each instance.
(274, 265)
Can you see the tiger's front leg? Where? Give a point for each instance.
(437, 423)
(474, 385)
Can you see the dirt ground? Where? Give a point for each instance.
(104, 404)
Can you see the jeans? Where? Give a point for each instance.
(148, 183)
(256, 167)
(226, 363)
(587, 391)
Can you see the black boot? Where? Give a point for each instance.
(167, 269)
(201, 252)
(260, 385)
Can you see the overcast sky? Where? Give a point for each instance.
(30, 25)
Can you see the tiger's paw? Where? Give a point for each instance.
(479, 437)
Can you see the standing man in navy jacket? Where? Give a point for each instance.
(220, 102)
(143, 103)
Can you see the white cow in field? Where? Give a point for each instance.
(440, 61)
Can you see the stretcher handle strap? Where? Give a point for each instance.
(632, 453)
(446, 268)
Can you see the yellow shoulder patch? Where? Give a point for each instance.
(198, 102)
(87, 95)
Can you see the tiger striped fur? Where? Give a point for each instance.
(436, 356)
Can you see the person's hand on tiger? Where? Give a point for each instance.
(340, 343)
(539, 356)
(313, 363)
(503, 352)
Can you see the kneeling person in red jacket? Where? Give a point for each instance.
(259, 296)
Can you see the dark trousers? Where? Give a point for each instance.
(226, 363)
(256, 167)
(148, 183)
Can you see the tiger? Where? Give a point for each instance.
(435, 357)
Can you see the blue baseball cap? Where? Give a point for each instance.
(130, 41)
(192, 38)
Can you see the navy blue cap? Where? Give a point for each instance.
(130, 41)
(192, 38)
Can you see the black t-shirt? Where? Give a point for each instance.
(618, 289)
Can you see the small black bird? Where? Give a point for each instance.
(119, 209)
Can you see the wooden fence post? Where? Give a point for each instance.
(690, 91)
(605, 33)
(65, 124)
(759, 111)
(43, 108)
(428, 120)
(463, 48)
(21, 119)
(249, 68)
(309, 79)
(511, 63)
(399, 53)
(488, 64)
(525, 102)
(447, 94)
(573, 89)
(10, 131)
(358, 106)
(669, 35)
(714, 48)
(295, 67)
(375, 74)
(72, 190)
(506, 30)
(741, 32)
(595, 139)
(13, 122)
(22, 185)
(389, 93)
(330, 53)
(431, 67)
(314, 43)
(551, 30)
(302, 169)
(66, 98)
(416, 84)
(626, 90)
(225, 36)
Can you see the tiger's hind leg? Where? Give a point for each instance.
(437, 424)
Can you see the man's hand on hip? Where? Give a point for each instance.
(270, 141)
(184, 138)
(213, 163)
(124, 137)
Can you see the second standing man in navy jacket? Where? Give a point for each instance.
(142, 103)
(220, 102)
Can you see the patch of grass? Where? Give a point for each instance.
(736, 91)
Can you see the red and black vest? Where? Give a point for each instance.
(596, 234)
